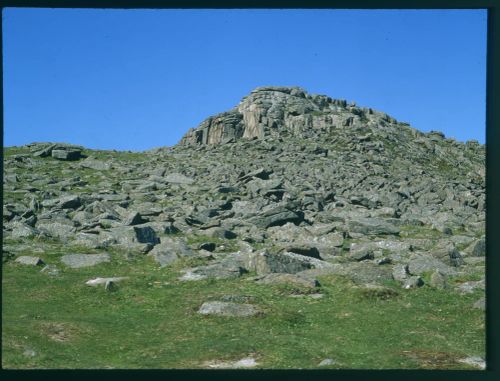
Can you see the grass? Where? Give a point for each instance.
(412, 231)
(151, 321)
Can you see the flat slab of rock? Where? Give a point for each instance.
(228, 309)
(284, 262)
(290, 279)
(246, 362)
(29, 261)
(425, 263)
(327, 362)
(372, 226)
(169, 251)
(98, 281)
(76, 261)
(221, 270)
(471, 286)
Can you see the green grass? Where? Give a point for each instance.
(412, 231)
(151, 321)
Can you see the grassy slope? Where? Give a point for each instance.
(151, 322)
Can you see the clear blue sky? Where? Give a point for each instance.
(137, 79)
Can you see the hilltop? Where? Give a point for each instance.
(289, 194)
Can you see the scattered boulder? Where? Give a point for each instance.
(69, 202)
(372, 226)
(289, 279)
(247, 362)
(208, 246)
(29, 261)
(400, 272)
(327, 362)
(76, 261)
(413, 282)
(438, 280)
(169, 251)
(360, 252)
(133, 218)
(276, 216)
(366, 272)
(264, 262)
(98, 281)
(470, 287)
(221, 270)
(479, 248)
(228, 309)
(425, 263)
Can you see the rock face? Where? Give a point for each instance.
(284, 183)
(268, 111)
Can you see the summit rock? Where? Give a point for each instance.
(276, 111)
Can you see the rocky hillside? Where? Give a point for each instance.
(285, 183)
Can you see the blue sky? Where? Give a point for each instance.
(137, 79)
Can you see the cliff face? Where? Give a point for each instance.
(276, 111)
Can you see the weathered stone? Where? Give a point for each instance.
(400, 272)
(228, 309)
(144, 234)
(471, 286)
(372, 226)
(302, 249)
(225, 269)
(133, 218)
(69, 202)
(438, 280)
(456, 259)
(425, 263)
(289, 279)
(247, 362)
(29, 261)
(169, 251)
(366, 272)
(479, 248)
(413, 282)
(360, 252)
(276, 217)
(58, 230)
(98, 281)
(209, 246)
(76, 261)
(327, 362)
(221, 233)
(263, 262)
(21, 230)
(66, 154)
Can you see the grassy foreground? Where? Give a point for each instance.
(151, 322)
